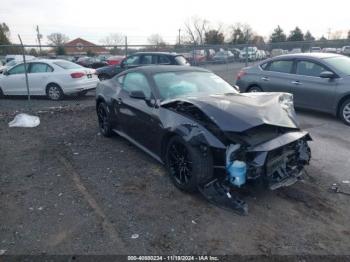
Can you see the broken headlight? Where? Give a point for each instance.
(286, 102)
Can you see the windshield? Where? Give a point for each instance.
(67, 65)
(11, 63)
(183, 84)
(340, 63)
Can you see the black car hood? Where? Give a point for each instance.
(240, 112)
(108, 68)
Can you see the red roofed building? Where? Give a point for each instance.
(80, 46)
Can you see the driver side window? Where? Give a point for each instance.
(137, 82)
(19, 69)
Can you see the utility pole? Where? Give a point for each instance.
(179, 36)
(329, 33)
(39, 36)
(25, 70)
(246, 51)
(126, 46)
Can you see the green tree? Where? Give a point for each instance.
(4, 34)
(296, 35)
(60, 50)
(322, 38)
(308, 36)
(278, 35)
(90, 53)
(258, 40)
(214, 37)
(238, 36)
(33, 52)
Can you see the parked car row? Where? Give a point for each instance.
(55, 78)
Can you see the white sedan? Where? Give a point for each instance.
(51, 78)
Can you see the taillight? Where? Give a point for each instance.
(240, 74)
(77, 75)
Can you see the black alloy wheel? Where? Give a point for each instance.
(103, 120)
(188, 166)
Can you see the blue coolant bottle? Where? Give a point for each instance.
(237, 172)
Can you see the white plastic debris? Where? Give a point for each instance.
(134, 236)
(2, 251)
(25, 120)
(194, 222)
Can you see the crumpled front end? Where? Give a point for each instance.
(279, 161)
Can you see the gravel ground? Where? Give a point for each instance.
(65, 189)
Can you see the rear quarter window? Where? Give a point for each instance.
(264, 66)
(67, 65)
(281, 66)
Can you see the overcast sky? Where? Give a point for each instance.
(93, 20)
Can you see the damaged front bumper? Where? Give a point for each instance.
(279, 162)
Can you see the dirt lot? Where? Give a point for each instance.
(65, 189)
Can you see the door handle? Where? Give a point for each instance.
(265, 78)
(296, 82)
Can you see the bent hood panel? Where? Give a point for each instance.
(240, 112)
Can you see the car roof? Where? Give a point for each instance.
(157, 53)
(308, 55)
(152, 69)
(43, 60)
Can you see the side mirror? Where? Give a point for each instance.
(5, 72)
(138, 94)
(327, 74)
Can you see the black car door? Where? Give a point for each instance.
(138, 117)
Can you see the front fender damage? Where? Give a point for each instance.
(275, 154)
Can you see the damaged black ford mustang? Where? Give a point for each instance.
(202, 128)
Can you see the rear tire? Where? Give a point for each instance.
(104, 121)
(254, 89)
(344, 112)
(1, 93)
(54, 92)
(188, 166)
(103, 77)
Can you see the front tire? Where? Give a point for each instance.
(344, 112)
(104, 122)
(54, 92)
(82, 93)
(188, 166)
(254, 89)
(1, 93)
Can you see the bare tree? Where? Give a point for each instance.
(336, 35)
(113, 39)
(195, 29)
(57, 39)
(156, 39)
